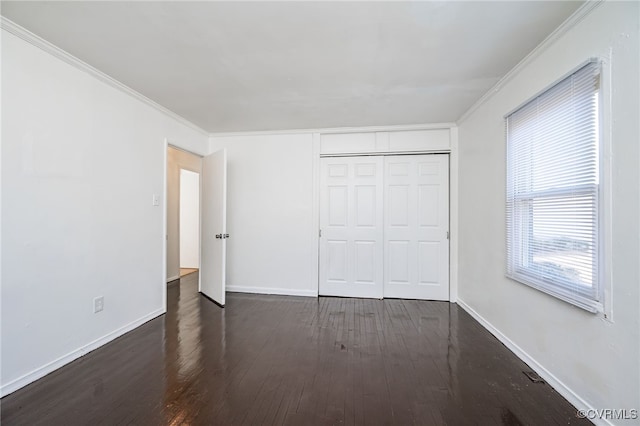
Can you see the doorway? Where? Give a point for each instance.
(183, 213)
(210, 211)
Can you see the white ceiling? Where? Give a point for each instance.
(240, 66)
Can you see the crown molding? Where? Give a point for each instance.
(39, 42)
(333, 130)
(575, 18)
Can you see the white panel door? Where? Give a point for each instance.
(213, 237)
(351, 223)
(416, 225)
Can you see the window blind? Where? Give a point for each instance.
(552, 190)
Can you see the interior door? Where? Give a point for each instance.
(416, 242)
(213, 227)
(351, 200)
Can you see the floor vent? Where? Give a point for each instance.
(533, 376)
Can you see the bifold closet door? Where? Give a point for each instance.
(351, 224)
(416, 213)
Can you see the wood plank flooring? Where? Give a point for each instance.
(294, 361)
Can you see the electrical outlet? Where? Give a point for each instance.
(98, 304)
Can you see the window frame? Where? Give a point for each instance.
(601, 304)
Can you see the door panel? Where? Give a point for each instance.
(429, 205)
(337, 262)
(351, 252)
(365, 272)
(429, 262)
(214, 226)
(365, 206)
(337, 205)
(416, 224)
(397, 197)
(397, 255)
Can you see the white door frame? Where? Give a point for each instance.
(168, 144)
(453, 207)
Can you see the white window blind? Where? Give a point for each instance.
(552, 190)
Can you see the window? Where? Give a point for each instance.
(553, 179)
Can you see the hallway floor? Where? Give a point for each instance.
(296, 361)
(186, 271)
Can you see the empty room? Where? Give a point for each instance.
(300, 213)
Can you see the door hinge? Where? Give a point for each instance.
(447, 235)
(320, 233)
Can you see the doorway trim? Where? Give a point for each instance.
(168, 143)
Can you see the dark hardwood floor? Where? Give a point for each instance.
(295, 361)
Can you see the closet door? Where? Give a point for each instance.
(351, 223)
(416, 225)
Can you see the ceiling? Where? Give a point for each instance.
(245, 66)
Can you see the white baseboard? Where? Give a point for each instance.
(40, 372)
(271, 290)
(552, 380)
(175, 277)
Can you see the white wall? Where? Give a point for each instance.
(591, 360)
(80, 163)
(176, 160)
(189, 219)
(270, 214)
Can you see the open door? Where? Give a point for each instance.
(213, 229)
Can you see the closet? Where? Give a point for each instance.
(384, 224)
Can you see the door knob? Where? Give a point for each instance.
(226, 236)
(218, 235)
